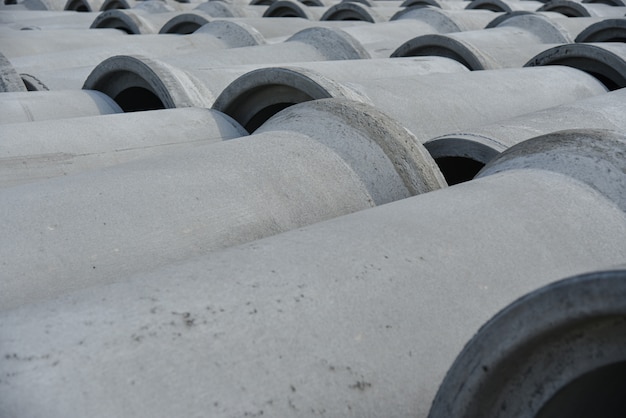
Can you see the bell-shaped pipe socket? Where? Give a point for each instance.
(571, 8)
(606, 30)
(335, 157)
(462, 155)
(394, 292)
(605, 61)
(556, 351)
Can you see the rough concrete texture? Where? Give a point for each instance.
(565, 356)
(34, 151)
(422, 103)
(205, 197)
(481, 145)
(358, 316)
(23, 106)
(595, 157)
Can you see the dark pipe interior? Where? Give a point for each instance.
(599, 393)
(264, 114)
(458, 169)
(134, 99)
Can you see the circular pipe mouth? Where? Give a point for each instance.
(114, 5)
(493, 5)
(591, 156)
(32, 83)
(557, 351)
(442, 46)
(256, 96)
(77, 6)
(349, 11)
(184, 24)
(138, 83)
(118, 19)
(284, 8)
(460, 157)
(567, 8)
(607, 30)
(597, 60)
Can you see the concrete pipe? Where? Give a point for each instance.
(565, 358)
(44, 105)
(571, 8)
(217, 8)
(34, 151)
(510, 45)
(427, 105)
(138, 83)
(618, 3)
(70, 69)
(40, 5)
(461, 155)
(605, 61)
(441, 4)
(278, 29)
(358, 316)
(168, 89)
(358, 11)
(83, 5)
(606, 30)
(293, 8)
(456, 20)
(9, 79)
(505, 5)
(133, 21)
(335, 157)
(23, 43)
(150, 6)
(185, 23)
(35, 20)
(598, 155)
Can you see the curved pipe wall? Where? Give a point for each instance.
(568, 345)
(605, 61)
(461, 155)
(393, 292)
(29, 106)
(427, 105)
(38, 150)
(313, 162)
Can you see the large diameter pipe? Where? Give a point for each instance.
(358, 11)
(601, 164)
(358, 316)
(214, 80)
(606, 30)
(36, 20)
(24, 106)
(216, 35)
(428, 105)
(508, 43)
(579, 9)
(314, 162)
(565, 356)
(461, 155)
(136, 82)
(604, 60)
(506, 6)
(34, 151)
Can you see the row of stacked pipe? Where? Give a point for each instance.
(369, 209)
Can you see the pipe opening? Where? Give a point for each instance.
(599, 393)
(264, 114)
(254, 107)
(458, 169)
(135, 99)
